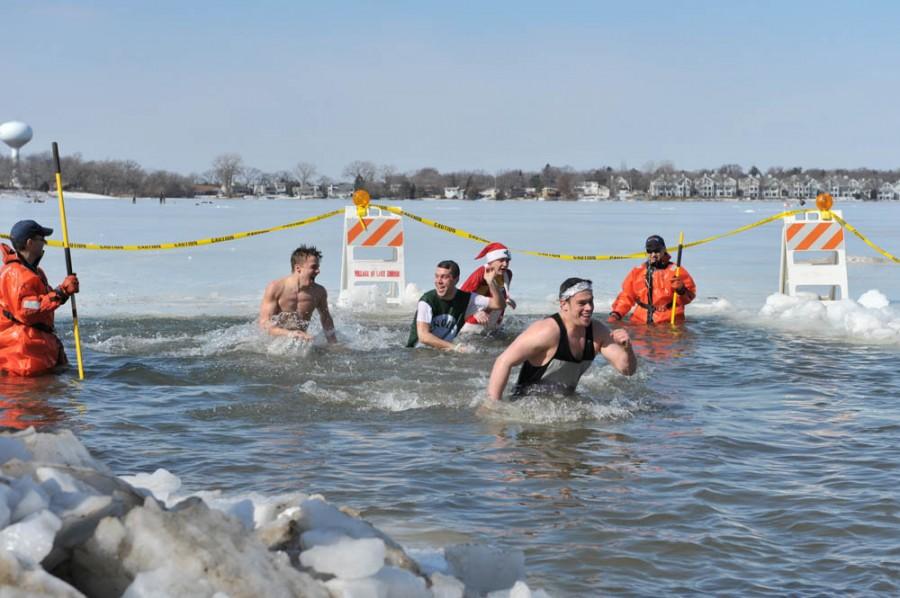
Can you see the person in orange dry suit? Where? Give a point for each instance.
(649, 288)
(28, 342)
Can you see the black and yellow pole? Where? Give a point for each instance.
(677, 272)
(65, 232)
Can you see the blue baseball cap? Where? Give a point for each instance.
(26, 229)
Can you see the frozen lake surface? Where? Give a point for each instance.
(754, 453)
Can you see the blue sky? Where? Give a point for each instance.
(483, 85)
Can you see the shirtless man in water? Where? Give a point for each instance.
(289, 302)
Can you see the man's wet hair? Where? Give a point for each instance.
(301, 253)
(571, 282)
(450, 265)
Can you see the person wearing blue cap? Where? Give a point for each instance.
(649, 288)
(28, 342)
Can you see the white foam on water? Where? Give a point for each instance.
(391, 398)
(138, 345)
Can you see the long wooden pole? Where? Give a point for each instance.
(65, 232)
(677, 271)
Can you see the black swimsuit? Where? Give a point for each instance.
(562, 369)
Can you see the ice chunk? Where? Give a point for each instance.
(874, 299)
(18, 579)
(32, 538)
(161, 483)
(346, 558)
(13, 448)
(168, 581)
(30, 498)
(445, 586)
(319, 514)
(519, 590)
(400, 583)
(5, 496)
(320, 537)
(60, 448)
(484, 568)
(390, 582)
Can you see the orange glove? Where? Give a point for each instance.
(69, 285)
(613, 317)
(677, 285)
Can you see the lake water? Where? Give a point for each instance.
(754, 453)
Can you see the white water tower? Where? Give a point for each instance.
(15, 134)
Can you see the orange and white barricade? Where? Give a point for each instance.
(814, 256)
(373, 254)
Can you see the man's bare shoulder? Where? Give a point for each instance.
(276, 286)
(314, 289)
(544, 331)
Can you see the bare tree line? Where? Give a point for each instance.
(230, 176)
(106, 177)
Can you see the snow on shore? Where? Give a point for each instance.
(69, 527)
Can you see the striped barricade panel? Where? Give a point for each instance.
(814, 236)
(378, 232)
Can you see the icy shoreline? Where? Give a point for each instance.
(69, 527)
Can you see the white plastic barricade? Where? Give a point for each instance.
(373, 255)
(813, 256)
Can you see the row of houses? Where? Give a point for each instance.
(679, 186)
(768, 187)
(282, 189)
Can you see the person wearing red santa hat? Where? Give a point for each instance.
(496, 255)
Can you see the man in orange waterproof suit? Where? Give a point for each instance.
(28, 342)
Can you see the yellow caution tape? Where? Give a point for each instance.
(853, 230)
(747, 227)
(198, 242)
(580, 258)
(465, 235)
(447, 229)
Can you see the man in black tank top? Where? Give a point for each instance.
(558, 349)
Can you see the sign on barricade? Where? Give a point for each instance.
(372, 253)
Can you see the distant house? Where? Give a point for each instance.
(803, 187)
(531, 192)
(706, 187)
(307, 191)
(726, 186)
(684, 187)
(771, 188)
(263, 188)
(454, 193)
(339, 190)
(886, 191)
(283, 187)
(550, 193)
(490, 193)
(841, 186)
(589, 189)
(204, 189)
(749, 187)
(662, 186)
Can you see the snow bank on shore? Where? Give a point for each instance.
(69, 527)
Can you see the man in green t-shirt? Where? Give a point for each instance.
(442, 312)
